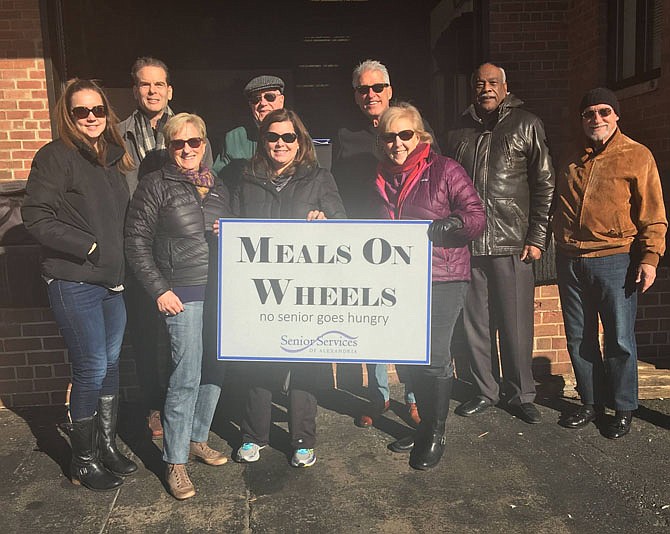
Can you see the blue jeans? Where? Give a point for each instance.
(92, 320)
(378, 378)
(601, 287)
(189, 405)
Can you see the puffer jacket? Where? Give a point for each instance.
(72, 202)
(442, 190)
(609, 200)
(512, 171)
(169, 241)
(309, 189)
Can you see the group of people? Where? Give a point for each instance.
(132, 208)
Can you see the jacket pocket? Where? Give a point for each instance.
(510, 224)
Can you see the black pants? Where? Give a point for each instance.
(447, 303)
(264, 378)
(500, 301)
(147, 335)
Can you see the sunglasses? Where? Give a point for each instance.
(405, 135)
(273, 137)
(377, 88)
(268, 97)
(81, 112)
(590, 114)
(178, 144)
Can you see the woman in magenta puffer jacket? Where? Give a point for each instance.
(413, 182)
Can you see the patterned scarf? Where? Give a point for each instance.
(202, 179)
(144, 134)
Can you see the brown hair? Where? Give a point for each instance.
(146, 61)
(71, 136)
(306, 154)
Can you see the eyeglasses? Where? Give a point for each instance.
(405, 135)
(273, 137)
(376, 87)
(81, 112)
(178, 144)
(590, 114)
(268, 97)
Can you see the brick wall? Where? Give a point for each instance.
(24, 107)
(530, 41)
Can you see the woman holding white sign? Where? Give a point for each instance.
(172, 252)
(284, 181)
(413, 182)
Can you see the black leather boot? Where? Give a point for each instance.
(111, 458)
(86, 468)
(430, 442)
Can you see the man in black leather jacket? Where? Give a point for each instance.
(504, 149)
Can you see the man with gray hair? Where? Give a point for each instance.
(504, 150)
(355, 171)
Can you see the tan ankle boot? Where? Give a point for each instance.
(206, 454)
(178, 483)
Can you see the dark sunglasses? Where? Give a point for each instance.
(377, 88)
(178, 144)
(81, 112)
(268, 97)
(273, 137)
(405, 135)
(590, 114)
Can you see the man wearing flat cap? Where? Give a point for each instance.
(264, 94)
(609, 224)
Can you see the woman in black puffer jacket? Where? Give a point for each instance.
(172, 252)
(283, 181)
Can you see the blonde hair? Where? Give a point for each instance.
(70, 134)
(407, 111)
(178, 121)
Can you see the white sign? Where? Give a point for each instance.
(324, 291)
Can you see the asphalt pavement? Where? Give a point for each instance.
(498, 475)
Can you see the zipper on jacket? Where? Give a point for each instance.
(482, 177)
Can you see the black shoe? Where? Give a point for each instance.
(619, 427)
(473, 406)
(86, 468)
(580, 418)
(427, 453)
(527, 412)
(403, 444)
(110, 456)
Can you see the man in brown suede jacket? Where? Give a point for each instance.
(609, 224)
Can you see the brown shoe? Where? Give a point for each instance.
(365, 420)
(178, 483)
(206, 454)
(154, 424)
(413, 413)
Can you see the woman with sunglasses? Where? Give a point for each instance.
(283, 181)
(413, 182)
(172, 252)
(75, 204)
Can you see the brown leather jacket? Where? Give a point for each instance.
(608, 201)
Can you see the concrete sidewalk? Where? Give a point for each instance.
(498, 475)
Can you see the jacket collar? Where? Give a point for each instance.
(509, 102)
(114, 152)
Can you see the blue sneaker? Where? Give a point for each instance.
(249, 452)
(303, 458)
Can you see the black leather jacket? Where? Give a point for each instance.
(511, 169)
(169, 241)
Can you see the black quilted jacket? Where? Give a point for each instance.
(168, 237)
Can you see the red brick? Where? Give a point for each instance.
(43, 371)
(7, 373)
(62, 369)
(32, 104)
(40, 329)
(542, 343)
(16, 344)
(29, 84)
(546, 330)
(10, 330)
(16, 386)
(30, 399)
(53, 343)
(45, 357)
(51, 384)
(24, 372)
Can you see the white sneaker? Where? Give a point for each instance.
(303, 458)
(249, 452)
